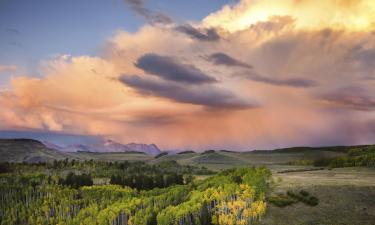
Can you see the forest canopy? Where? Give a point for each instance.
(164, 194)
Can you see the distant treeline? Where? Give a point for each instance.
(355, 157)
(342, 149)
(364, 157)
(144, 181)
(105, 169)
(76, 181)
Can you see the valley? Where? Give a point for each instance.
(336, 188)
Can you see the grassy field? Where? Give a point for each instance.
(346, 196)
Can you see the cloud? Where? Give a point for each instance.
(354, 15)
(352, 97)
(7, 68)
(290, 82)
(309, 59)
(220, 58)
(209, 96)
(170, 68)
(150, 16)
(364, 58)
(201, 34)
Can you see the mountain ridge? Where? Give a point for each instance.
(108, 146)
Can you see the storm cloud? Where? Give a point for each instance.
(291, 82)
(220, 58)
(169, 68)
(208, 95)
(201, 34)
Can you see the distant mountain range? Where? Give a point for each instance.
(30, 150)
(107, 146)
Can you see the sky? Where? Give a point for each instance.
(239, 75)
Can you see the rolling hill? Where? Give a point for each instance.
(27, 150)
(107, 146)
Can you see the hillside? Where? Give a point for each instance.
(107, 146)
(27, 150)
(217, 160)
(19, 150)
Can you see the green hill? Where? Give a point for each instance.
(27, 150)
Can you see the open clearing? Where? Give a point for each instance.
(346, 196)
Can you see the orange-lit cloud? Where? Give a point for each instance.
(352, 15)
(258, 74)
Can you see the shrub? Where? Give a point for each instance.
(304, 196)
(304, 193)
(312, 201)
(301, 162)
(281, 200)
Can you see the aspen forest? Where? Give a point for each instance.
(77, 192)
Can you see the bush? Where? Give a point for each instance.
(301, 162)
(312, 201)
(304, 193)
(281, 200)
(305, 197)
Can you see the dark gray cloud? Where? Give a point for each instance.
(150, 16)
(351, 97)
(290, 82)
(202, 34)
(207, 95)
(220, 58)
(169, 68)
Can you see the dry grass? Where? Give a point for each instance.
(346, 196)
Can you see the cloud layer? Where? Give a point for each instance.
(208, 96)
(200, 34)
(257, 74)
(220, 58)
(169, 68)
